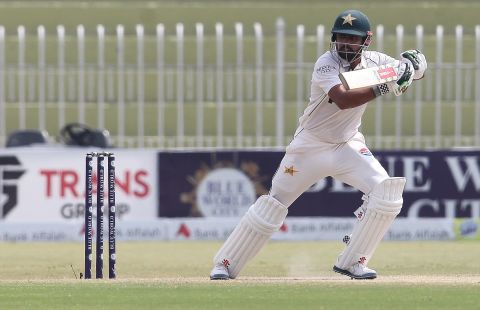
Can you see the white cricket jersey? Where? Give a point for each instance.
(322, 117)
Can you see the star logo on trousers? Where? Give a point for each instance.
(290, 170)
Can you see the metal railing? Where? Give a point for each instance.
(223, 90)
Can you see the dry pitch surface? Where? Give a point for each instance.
(285, 275)
(395, 262)
(454, 263)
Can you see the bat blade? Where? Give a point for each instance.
(369, 77)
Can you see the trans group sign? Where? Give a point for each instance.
(48, 185)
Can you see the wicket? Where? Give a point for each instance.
(100, 213)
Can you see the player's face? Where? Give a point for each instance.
(348, 45)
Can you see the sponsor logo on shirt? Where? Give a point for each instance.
(325, 69)
(365, 151)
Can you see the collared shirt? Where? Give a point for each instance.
(322, 117)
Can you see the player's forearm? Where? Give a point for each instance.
(347, 99)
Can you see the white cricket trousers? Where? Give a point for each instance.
(308, 160)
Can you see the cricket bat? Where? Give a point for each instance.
(369, 76)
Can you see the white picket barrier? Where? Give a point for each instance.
(222, 87)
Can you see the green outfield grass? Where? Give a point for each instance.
(287, 295)
(286, 275)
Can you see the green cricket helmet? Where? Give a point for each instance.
(352, 22)
(355, 23)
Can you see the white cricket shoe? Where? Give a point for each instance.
(219, 272)
(357, 271)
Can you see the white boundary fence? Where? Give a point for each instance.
(190, 77)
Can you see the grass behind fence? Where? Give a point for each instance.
(151, 123)
(309, 13)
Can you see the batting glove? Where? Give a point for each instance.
(418, 60)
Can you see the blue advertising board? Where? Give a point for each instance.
(442, 183)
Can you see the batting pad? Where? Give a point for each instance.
(380, 208)
(262, 219)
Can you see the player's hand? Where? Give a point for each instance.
(405, 77)
(418, 60)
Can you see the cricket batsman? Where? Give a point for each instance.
(327, 142)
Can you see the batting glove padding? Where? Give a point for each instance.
(419, 62)
(405, 77)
